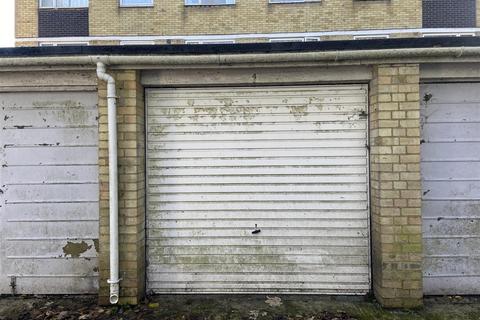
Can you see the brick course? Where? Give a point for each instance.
(395, 185)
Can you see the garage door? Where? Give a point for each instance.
(258, 190)
(49, 193)
(451, 187)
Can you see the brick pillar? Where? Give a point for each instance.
(395, 185)
(131, 176)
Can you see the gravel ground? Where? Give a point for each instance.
(198, 307)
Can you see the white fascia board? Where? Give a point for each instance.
(254, 35)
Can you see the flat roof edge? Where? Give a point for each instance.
(242, 48)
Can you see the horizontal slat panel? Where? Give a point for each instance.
(50, 174)
(252, 171)
(258, 153)
(70, 229)
(453, 265)
(451, 170)
(447, 227)
(245, 188)
(266, 232)
(451, 190)
(460, 151)
(265, 269)
(308, 290)
(256, 127)
(64, 118)
(52, 211)
(268, 144)
(290, 215)
(451, 131)
(260, 205)
(54, 137)
(445, 208)
(262, 224)
(353, 196)
(222, 136)
(264, 286)
(241, 119)
(216, 108)
(259, 259)
(451, 112)
(52, 156)
(235, 278)
(57, 266)
(446, 285)
(49, 193)
(259, 241)
(289, 160)
(238, 162)
(451, 246)
(446, 92)
(46, 284)
(282, 179)
(49, 249)
(255, 250)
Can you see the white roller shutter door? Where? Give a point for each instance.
(258, 190)
(49, 193)
(451, 187)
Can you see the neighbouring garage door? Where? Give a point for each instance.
(49, 193)
(258, 190)
(451, 187)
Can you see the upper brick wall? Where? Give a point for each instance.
(251, 16)
(26, 18)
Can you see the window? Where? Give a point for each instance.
(136, 3)
(62, 44)
(373, 36)
(431, 35)
(292, 1)
(63, 4)
(136, 42)
(208, 2)
(306, 39)
(226, 41)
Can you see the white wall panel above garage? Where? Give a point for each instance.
(290, 161)
(450, 118)
(49, 192)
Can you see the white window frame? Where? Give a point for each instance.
(136, 42)
(56, 6)
(59, 44)
(303, 39)
(133, 5)
(371, 36)
(227, 3)
(291, 1)
(220, 41)
(461, 34)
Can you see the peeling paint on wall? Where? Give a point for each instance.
(75, 249)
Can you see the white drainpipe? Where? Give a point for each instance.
(113, 181)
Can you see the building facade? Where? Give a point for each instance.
(260, 169)
(94, 22)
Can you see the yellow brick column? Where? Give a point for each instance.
(395, 185)
(131, 175)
